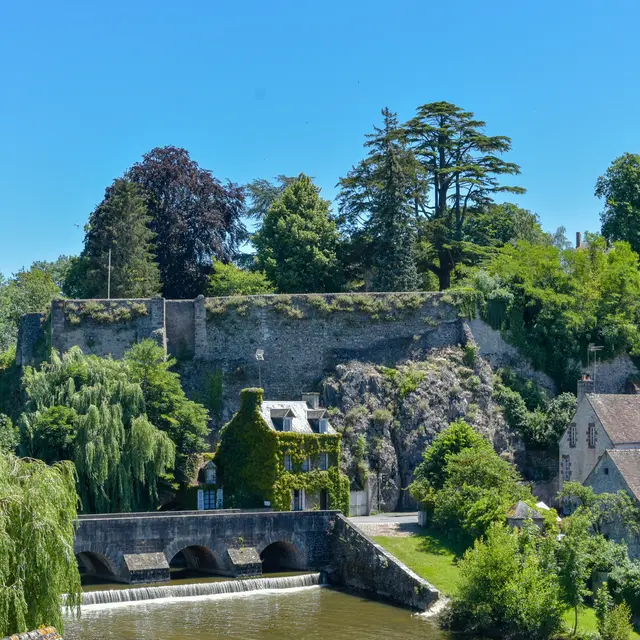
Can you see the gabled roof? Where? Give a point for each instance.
(296, 409)
(628, 463)
(619, 415)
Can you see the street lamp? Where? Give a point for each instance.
(260, 359)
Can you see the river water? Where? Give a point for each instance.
(299, 613)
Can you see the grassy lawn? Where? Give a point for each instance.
(429, 554)
(433, 557)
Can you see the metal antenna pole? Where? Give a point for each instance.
(109, 278)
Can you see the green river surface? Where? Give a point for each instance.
(305, 612)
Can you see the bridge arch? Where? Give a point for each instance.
(282, 555)
(92, 563)
(197, 555)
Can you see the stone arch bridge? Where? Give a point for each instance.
(140, 547)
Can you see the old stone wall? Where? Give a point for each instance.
(106, 327)
(44, 633)
(180, 328)
(361, 564)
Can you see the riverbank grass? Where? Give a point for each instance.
(429, 554)
(433, 557)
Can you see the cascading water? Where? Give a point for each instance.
(200, 589)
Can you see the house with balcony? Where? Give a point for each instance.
(281, 454)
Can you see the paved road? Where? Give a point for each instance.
(410, 517)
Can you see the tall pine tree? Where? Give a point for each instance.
(381, 194)
(120, 223)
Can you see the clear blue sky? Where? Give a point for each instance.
(253, 89)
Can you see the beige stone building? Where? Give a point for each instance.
(602, 422)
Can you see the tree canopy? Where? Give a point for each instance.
(296, 245)
(37, 564)
(193, 215)
(230, 280)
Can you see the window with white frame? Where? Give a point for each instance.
(287, 463)
(324, 461)
(287, 424)
(591, 435)
(573, 434)
(324, 425)
(209, 499)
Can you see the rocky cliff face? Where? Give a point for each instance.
(388, 416)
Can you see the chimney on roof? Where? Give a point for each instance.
(585, 385)
(578, 239)
(312, 399)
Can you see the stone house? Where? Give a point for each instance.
(602, 422)
(210, 492)
(618, 469)
(281, 454)
(517, 515)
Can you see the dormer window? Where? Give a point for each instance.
(287, 424)
(210, 473)
(324, 425)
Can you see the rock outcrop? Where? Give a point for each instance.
(388, 416)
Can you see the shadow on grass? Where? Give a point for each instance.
(437, 543)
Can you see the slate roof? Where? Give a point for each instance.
(628, 463)
(619, 415)
(522, 511)
(298, 410)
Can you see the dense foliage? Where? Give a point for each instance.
(230, 280)
(251, 459)
(193, 215)
(37, 567)
(93, 409)
(296, 245)
(552, 303)
(120, 223)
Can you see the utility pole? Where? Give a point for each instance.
(109, 277)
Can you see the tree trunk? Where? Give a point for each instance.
(446, 267)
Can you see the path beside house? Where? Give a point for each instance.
(393, 525)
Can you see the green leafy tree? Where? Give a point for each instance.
(37, 565)
(52, 434)
(120, 223)
(432, 473)
(25, 292)
(620, 189)
(574, 556)
(9, 435)
(552, 303)
(463, 166)
(166, 405)
(381, 192)
(230, 280)
(614, 621)
(119, 455)
(504, 587)
(296, 245)
(479, 490)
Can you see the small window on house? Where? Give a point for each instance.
(566, 468)
(287, 424)
(606, 471)
(324, 425)
(306, 465)
(287, 463)
(324, 461)
(591, 435)
(573, 435)
(210, 474)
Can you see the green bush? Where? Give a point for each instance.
(614, 621)
(504, 588)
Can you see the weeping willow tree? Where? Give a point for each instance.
(37, 565)
(119, 455)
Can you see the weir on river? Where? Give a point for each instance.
(200, 589)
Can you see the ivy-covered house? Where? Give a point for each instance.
(281, 454)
